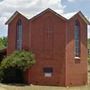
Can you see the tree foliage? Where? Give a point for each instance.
(20, 59)
(3, 42)
(89, 43)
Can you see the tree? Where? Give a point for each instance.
(3, 42)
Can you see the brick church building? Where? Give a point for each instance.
(59, 45)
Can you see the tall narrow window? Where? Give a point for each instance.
(77, 38)
(19, 35)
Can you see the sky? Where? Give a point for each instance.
(30, 8)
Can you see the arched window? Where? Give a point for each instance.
(19, 35)
(77, 38)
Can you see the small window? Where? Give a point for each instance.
(48, 72)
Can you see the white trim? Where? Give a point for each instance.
(48, 74)
(84, 18)
(11, 18)
(77, 57)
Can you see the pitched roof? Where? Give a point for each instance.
(63, 16)
(83, 17)
(52, 11)
(69, 16)
(13, 16)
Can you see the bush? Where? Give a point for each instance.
(1, 75)
(19, 59)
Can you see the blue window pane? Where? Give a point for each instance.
(19, 35)
(77, 38)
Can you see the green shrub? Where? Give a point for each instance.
(1, 75)
(19, 59)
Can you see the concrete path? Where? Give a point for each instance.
(2, 88)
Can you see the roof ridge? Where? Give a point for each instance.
(44, 11)
(59, 15)
(13, 16)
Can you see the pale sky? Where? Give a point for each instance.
(30, 8)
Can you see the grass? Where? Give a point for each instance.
(44, 88)
(35, 87)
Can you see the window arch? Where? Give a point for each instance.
(19, 35)
(77, 38)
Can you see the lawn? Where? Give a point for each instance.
(35, 87)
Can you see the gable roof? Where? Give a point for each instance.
(82, 16)
(63, 17)
(13, 16)
(52, 11)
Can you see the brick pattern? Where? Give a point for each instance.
(51, 39)
(76, 73)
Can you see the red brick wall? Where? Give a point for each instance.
(12, 34)
(76, 73)
(51, 39)
(47, 41)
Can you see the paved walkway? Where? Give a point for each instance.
(2, 88)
